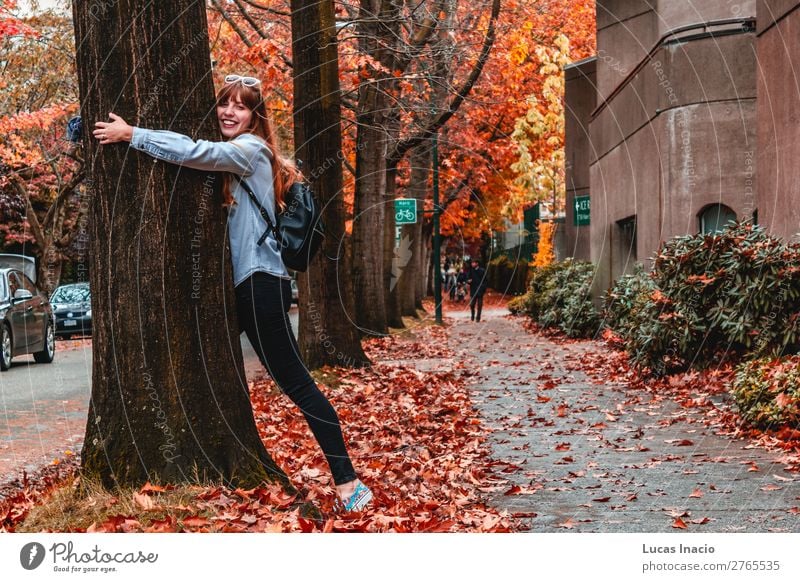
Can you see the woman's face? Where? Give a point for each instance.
(234, 117)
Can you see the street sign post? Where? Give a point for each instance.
(405, 211)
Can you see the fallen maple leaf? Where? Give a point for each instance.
(195, 521)
(696, 493)
(150, 488)
(700, 521)
(679, 524)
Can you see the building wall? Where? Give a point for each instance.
(778, 160)
(580, 98)
(678, 135)
(626, 31)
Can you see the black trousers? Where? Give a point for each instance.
(263, 302)
(476, 304)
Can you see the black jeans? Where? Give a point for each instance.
(262, 303)
(476, 301)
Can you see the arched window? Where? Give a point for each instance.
(715, 217)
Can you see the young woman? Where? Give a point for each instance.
(263, 288)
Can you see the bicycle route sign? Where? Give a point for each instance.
(405, 211)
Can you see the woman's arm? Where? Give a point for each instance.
(239, 155)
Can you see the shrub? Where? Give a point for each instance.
(657, 333)
(560, 297)
(621, 302)
(707, 298)
(520, 305)
(742, 284)
(767, 392)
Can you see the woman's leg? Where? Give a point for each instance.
(263, 302)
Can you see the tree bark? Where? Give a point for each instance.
(391, 289)
(169, 397)
(370, 211)
(420, 160)
(379, 32)
(328, 334)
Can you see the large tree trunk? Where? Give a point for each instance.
(327, 332)
(370, 212)
(169, 398)
(379, 32)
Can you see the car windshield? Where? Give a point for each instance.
(77, 294)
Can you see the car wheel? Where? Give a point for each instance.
(48, 353)
(5, 348)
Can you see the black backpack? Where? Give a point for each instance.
(299, 231)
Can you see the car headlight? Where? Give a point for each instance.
(89, 313)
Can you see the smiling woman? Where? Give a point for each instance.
(262, 282)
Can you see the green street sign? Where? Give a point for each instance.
(405, 211)
(581, 207)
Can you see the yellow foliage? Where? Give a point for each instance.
(544, 253)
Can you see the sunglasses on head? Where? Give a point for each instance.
(246, 81)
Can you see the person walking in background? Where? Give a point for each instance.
(477, 287)
(461, 283)
(262, 283)
(451, 282)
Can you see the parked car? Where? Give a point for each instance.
(72, 306)
(27, 324)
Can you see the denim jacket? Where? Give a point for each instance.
(246, 156)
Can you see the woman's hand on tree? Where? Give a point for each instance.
(113, 132)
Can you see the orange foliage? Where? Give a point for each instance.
(544, 252)
(481, 152)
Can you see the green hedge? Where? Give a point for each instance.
(559, 297)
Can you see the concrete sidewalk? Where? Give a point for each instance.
(589, 456)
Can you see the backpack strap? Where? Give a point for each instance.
(262, 211)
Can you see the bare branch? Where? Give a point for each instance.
(441, 118)
(267, 8)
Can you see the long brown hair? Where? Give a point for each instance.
(284, 171)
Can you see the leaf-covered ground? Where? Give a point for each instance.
(414, 435)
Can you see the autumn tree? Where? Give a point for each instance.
(169, 401)
(539, 134)
(40, 201)
(482, 189)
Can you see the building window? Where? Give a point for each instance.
(627, 231)
(625, 249)
(716, 217)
